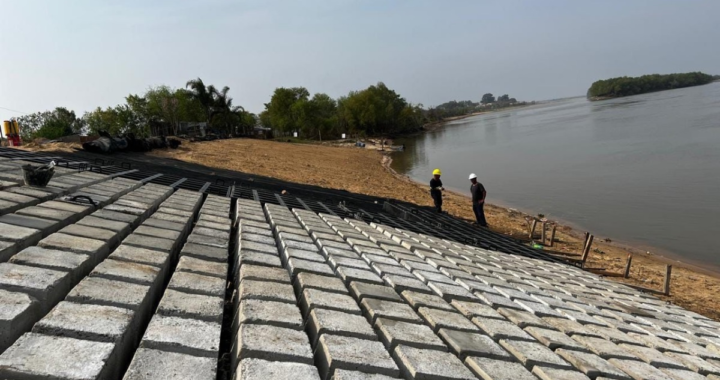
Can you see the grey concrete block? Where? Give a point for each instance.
(434, 276)
(639, 370)
(591, 365)
(273, 343)
(140, 255)
(393, 333)
(340, 352)
(271, 313)
(170, 218)
(36, 356)
(208, 240)
(22, 236)
(464, 344)
(570, 327)
(441, 319)
(121, 228)
(451, 292)
(157, 232)
(203, 267)
(336, 261)
(256, 369)
(88, 322)
(604, 348)
(522, 318)
(418, 300)
(94, 233)
(45, 226)
(76, 264)
(554, 339)
(418, 363)
(18, 312)
(362, 290)
(151, 364)
(127, 271)
(501, 329)
(401, 284)
(247, 245)
(166, 224)
(531, 354)
(184, 336)
(317, 299)
(186, 305)
(684, 374)
(205, 252)
(339, 252)
(96, 249)
(694, 363)
(697, 350)
(132, 220)
(374, 309)
(352, 274)
(149, 242)
(45, 285)
(493, 369)
(323, 321)
(292, 253)
(20, 199)
(496, 301)
(261, 273)
(551, 373)
(384, 269)
(197, 284)
(258, 238)
(100, 291)
(266, 291)
(296, 266)
(653, 357)
(313, 281)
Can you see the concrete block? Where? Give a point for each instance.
(47, 286)
(184, 336)
(591, 365)
(243, 229)
(36, 356)
(273, 343)
(75, 264)
(341, 352)
(149, 242)
(694, 363)
(352, 274)
(384, 269)
(203, 267)
(197, 284)
(313, 281)
(208, 240)
(256, 369)
(317, 299)
(121, 228)
(697, 350)
(451, 292)
(96, 249)
(402, 283)
(323, 321)
(247, 245)
(418, 363)
(171, 218)
(20, 199)
(88, 322)
(393, 333)
(375, 308)
(271, 313)
(493, 369)
(157, 232)
(258, 258)
(653, 357)
(185, 305)
(550, 373)
(261, 273)
(464, 344)
(127, 271)
(258, 238)
(501, 329)
(100, 291)
(22, 236)
(132, 220)
(166, 224)
(140, 255)
(94, 233)
(45, 226)
(570, 327)
(418, 300)
(18, 312)
(604, 348)
(472, 309)
(266, 291)
(339, 252)
(292, 253)
(522, 318)
(639, 370)
(554, 339)
(34, 192)
(434, 276)
(438, 319)
(684, 374)
(362, 290)
(531, 354)
(497, 301)
(151, 364)
(296, 266)
(205, 252)
(357, 263)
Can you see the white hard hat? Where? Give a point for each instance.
(472, 176)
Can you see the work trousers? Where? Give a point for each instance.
(479, 213)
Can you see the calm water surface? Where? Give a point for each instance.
(642, 169)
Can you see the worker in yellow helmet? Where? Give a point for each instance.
(436, 189)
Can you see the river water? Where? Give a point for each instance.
(643, 169)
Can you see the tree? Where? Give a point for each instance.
(282, 113)
(50, 124)
(504, 98)
(203, 95)
(488, 98)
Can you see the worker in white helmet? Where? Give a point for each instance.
(478, 199)
(436, 188)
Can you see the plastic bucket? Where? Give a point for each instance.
(37, 175)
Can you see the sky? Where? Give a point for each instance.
(82, 54)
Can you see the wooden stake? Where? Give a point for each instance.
(532, 229)
(552, 235)
(668, 272)
(586, 251)
(627, 266)
(543, 233)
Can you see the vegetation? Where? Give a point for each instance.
(467, 107)
(50, 124)
(626, 86)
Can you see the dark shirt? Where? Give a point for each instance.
(435, 185)
(477, 191)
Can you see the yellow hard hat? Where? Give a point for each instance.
(437, 172)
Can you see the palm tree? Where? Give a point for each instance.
(204, 95)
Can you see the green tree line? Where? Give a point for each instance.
(626, 86)
(159, 110)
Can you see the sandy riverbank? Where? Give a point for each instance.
(367, 172)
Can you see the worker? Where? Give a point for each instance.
(436, 189)
(478, 199)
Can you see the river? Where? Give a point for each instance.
(643, 169)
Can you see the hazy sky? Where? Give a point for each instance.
(87, 53)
